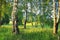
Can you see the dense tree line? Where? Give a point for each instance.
(20, 12)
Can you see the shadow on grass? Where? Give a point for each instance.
(26, 34)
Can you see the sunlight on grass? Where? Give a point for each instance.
(27, 34)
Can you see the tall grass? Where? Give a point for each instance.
(27, 34)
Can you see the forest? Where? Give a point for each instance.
(29, 19)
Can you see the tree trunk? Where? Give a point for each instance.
(54, 25)
(57, 27)
(15, 17)
(26, 15)
(25, 24)
(58, 16)
(0, 15)
(56, 19)
(0, 11)
(25, 20)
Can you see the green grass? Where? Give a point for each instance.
(27, 34)
(31, 33)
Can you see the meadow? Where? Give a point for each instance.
(32, 33)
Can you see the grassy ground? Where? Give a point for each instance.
(27, 34)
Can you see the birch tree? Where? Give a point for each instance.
(55, 19)
(15, 17)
